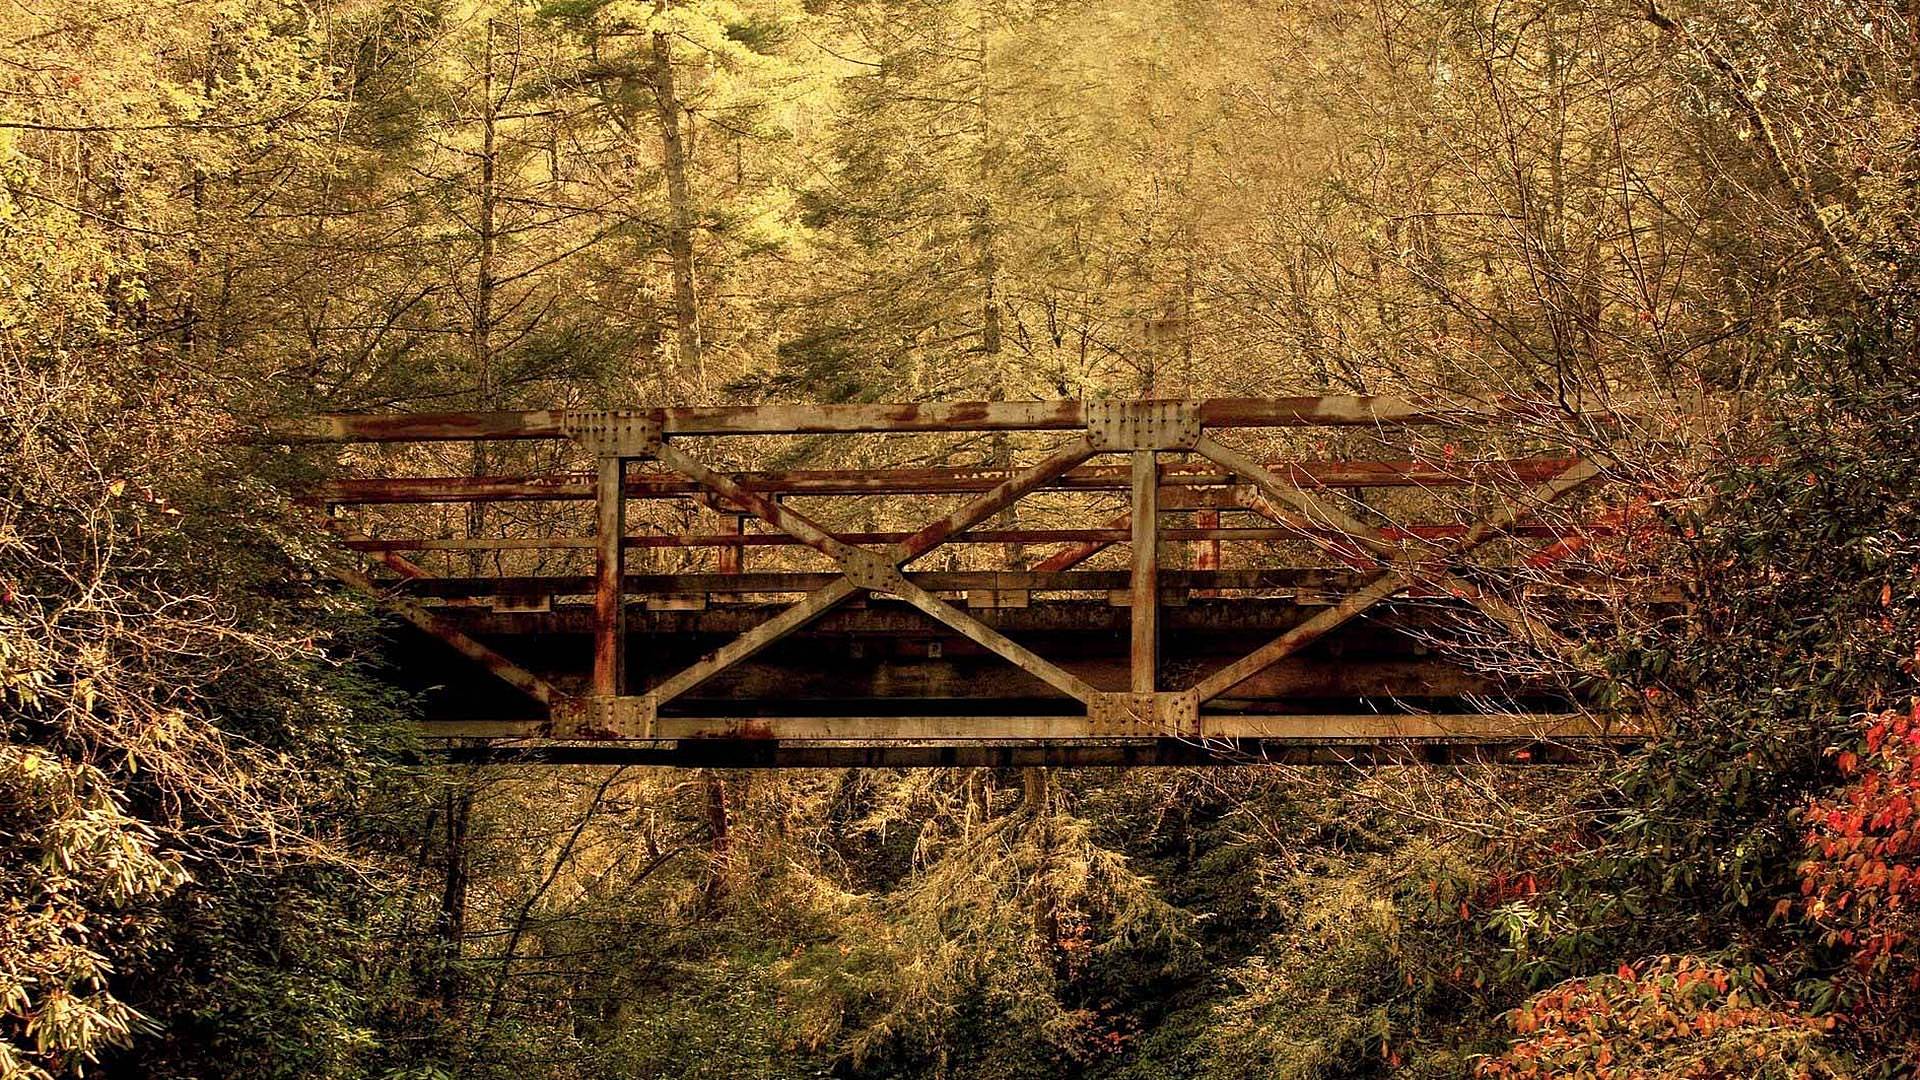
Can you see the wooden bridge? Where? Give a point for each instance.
(1125, 582)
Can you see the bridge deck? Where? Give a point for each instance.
(1193, 602)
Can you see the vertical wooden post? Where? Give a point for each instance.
(1206, 553)
(609, 607)
(732, 560)
(1146, 570)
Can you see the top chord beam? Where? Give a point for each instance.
(1333, 410)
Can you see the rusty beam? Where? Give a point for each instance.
(453, 637)
(1098, 618)
(1299, 637)
(792, 522)
(1323, 729)
(1364, 727)
(1281, 578)
(1094, 539)
(1052, 753)
(820, 669)
(562, 487)
(971, 628)
(869, 570)
(816, 604)
(609, 609)
(1305, 411)
(1404, 569)
(1144, 615)
(992, 502)
(1069, 557)
(389, 558)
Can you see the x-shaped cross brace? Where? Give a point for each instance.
(876, 571)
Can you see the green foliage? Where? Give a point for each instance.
(1013, 925)
(1802, 551)
(80, 877)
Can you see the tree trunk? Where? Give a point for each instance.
(715, 791)
(673, 161)
(480, 332)
(452, 923)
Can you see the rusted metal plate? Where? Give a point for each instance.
(1143, 425)
(991, 502)
(610, 433)
(1141, 713)
(600, 716)
(437, 626)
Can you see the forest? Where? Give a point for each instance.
(224, 852)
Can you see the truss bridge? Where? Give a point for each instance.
(1130, 582)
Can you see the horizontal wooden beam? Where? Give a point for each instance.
(1324, 729)
(977, 536)
(643, 484)
(1275, 578)
(1303, 411)
(1084, 753)
(821, 671)
(1238, 615)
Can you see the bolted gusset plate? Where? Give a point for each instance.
(866, 570)
(612, 432)
(1143, 425)
(604, 717)
(1126, 715)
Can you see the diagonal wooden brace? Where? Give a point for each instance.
(993, 640)
(479, 652)
(989, 503)
(873, 571)
(811, 607)
(1402, 567)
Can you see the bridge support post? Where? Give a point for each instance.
(609, 606)
(1145, 609)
